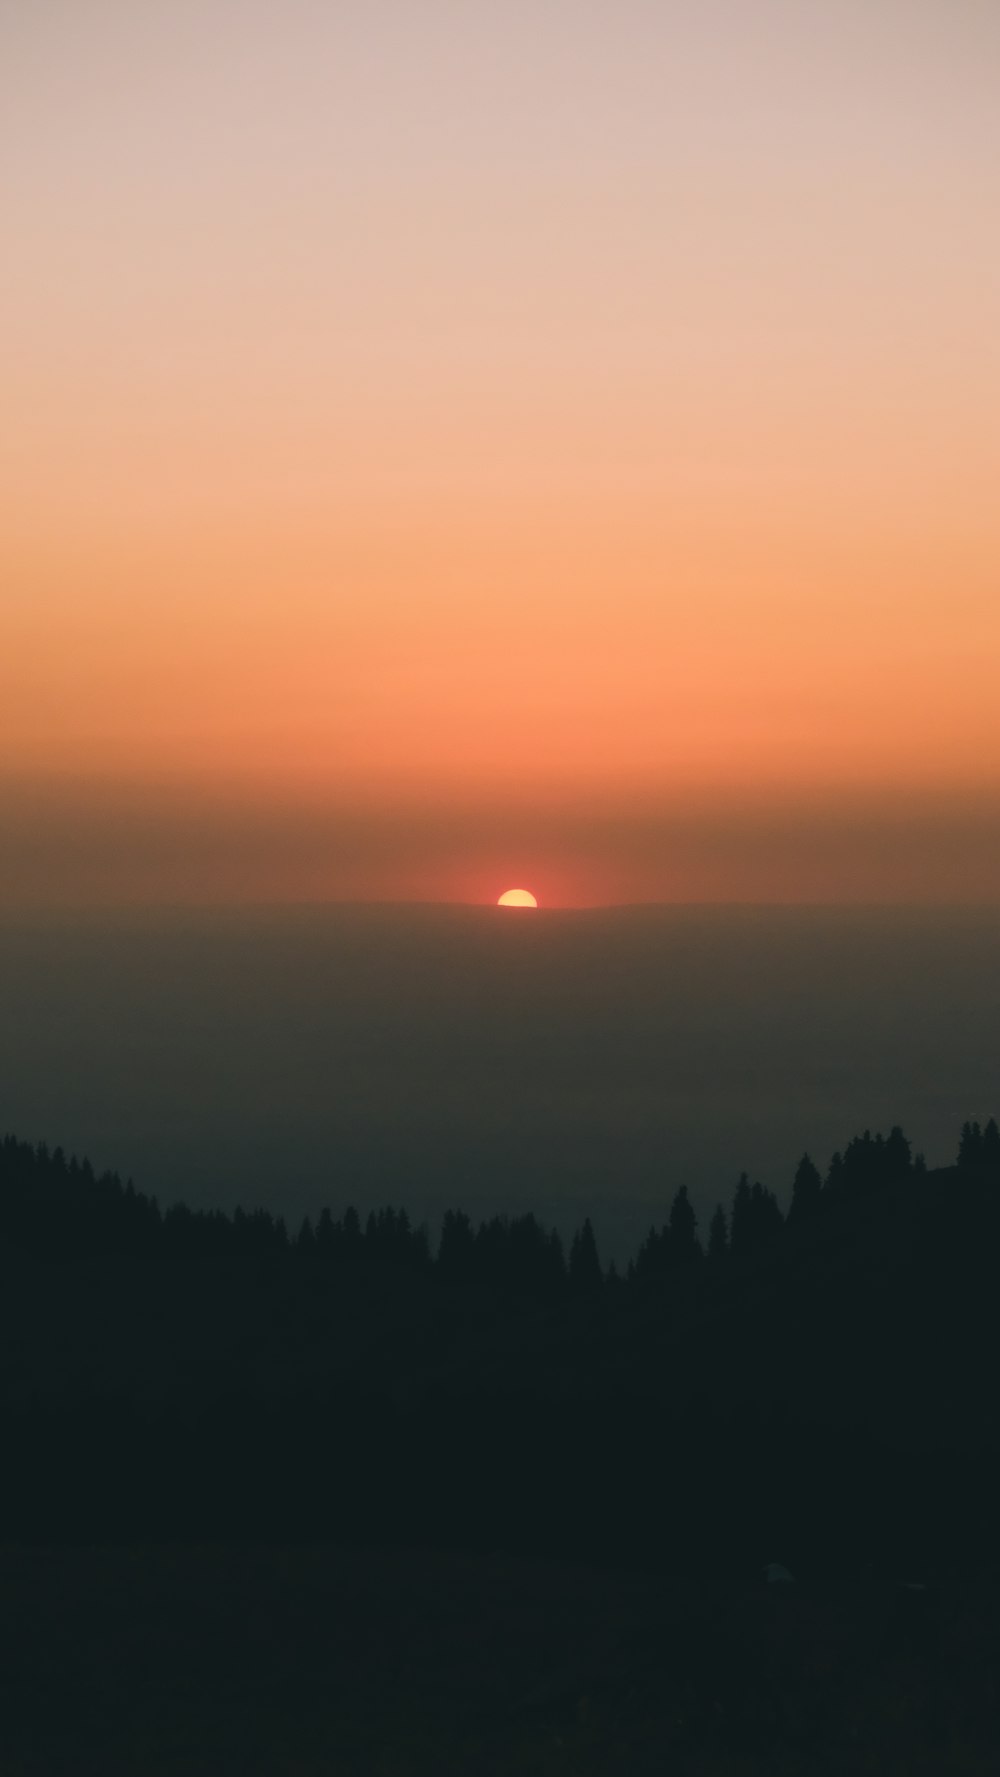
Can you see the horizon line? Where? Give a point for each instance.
(354, 902)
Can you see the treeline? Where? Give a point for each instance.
(501, 1388)
(52, 1206)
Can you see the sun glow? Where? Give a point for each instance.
(517, 898)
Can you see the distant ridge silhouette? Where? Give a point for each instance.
(58, 1207)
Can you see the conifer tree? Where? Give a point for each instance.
(898, 1155)
(682, 1243)
(326, 1238)
(718, 1234)
(767, 1217)
(650, 1259)
(585, 1273)
(806, 1189)
(741, 1221)
(556, 1258)
(970, 1147)
(420, 1247)
(456, 1246)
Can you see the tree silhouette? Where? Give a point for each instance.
(767, 1216)
(682, 1242)
(862, 1165)
(535, 1258)
(718, 1234)
(585, 1273)
(456, 1245)
(979, 1150)
(970, 1148)
(755, 1216)
(326, 1235)
(898, 1156)
(807, 1186)
(741, 1221)
(650, 1261)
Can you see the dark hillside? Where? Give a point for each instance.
(335, 1502)
(830, 1385)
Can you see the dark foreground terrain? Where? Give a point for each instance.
(307, 1661)
(336, 1503)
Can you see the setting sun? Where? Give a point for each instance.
(517, 898)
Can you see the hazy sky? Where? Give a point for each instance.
(444, 445)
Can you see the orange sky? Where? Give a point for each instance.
(454, 446)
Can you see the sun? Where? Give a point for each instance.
(517, 898)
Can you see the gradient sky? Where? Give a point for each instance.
(452, 445)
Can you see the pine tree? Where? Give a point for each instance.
(326, 1239)
(718, 1234)
(420, 1247)
(898, 1157)
(682, 1243)
(806, 1190)
(650, 1260)
(456, 1246)
(970, 1147)
(555, 1259)
(767, 1217)
(585, 1273)
(862, 1164)
(741, 1222)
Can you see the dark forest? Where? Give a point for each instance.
(808, 1393)
(226, 1377)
